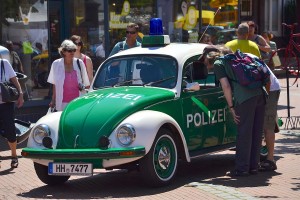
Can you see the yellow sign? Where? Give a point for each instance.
(189, 21)
(126, 8)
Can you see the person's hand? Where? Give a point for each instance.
(236, 118)
(20, 100)
(52, 104)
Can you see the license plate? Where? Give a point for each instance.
(68, 169)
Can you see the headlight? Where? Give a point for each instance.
(126, 134)
(39, 132)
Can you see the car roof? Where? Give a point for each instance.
(180, 51)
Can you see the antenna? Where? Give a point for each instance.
(209, 24)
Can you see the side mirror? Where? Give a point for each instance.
(199, 70)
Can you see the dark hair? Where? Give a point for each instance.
(76, 37)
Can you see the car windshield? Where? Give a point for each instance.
(144, 70)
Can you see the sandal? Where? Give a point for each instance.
(268, 165)
(14, 162)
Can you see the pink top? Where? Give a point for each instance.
(70, 90)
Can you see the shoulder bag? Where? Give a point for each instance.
(9, 92)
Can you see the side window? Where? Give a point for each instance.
(209, 82)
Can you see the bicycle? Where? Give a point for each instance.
(290, 63)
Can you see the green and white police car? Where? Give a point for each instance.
(148, 108)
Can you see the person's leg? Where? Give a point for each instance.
(13, 148)
(10, 132)
(257, 133)
(270, 142)
(270, 122)
(246, 111)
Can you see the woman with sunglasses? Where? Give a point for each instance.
(130, 42)
(76, 39)
(68, 76)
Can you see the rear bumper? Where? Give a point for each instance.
(95, 153)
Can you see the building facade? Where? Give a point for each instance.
(37, 28)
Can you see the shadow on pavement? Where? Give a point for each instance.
(122, 184)
(210, 169)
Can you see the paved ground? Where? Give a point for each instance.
(204, 179)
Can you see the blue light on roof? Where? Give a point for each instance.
(156, 27)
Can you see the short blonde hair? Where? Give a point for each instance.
(66, 45)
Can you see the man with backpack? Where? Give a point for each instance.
(247, 110)
(130, 42)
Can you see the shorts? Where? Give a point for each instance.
(7, 121)
(270, 118)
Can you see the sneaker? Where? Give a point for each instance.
(14, 162)
(268, 165)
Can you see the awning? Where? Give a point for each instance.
(222, 3)
(208, 17)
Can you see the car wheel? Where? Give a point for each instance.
(42, 173)
(158, 167)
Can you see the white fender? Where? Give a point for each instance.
(146, 124)
(52, 121)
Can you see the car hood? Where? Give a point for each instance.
(98, 113)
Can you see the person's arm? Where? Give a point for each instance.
(115, 50)
(20, 101)
(228, 96)
(89, 68)
(21, 69)
(263, 45)
(53, 99)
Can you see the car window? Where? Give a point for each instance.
(146, 70)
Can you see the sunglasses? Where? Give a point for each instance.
(78, 43)
(70, 50)
(130, 32)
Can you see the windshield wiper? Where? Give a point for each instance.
(159, 81)
(125, 82)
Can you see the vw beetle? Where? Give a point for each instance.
(148, 108)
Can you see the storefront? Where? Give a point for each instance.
(37, 28)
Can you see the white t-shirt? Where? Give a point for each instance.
(275, 85)
(100, 52)
(7, 74)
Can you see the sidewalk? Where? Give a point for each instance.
(204, 179)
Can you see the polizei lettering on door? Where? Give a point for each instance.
(202, 119)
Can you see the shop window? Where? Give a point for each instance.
(219, 20)
(25, 24)
(123, 12)
(273, 10)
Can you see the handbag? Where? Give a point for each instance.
(276, 60)
(9, 92)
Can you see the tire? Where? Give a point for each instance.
(42, 173)
(159, 166)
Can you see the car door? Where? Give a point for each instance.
(207, 121)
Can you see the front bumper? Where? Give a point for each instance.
(93, 153)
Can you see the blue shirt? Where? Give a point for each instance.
(120, 46)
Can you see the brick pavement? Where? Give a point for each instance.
(204, 179)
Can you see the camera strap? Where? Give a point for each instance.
(79, 69)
